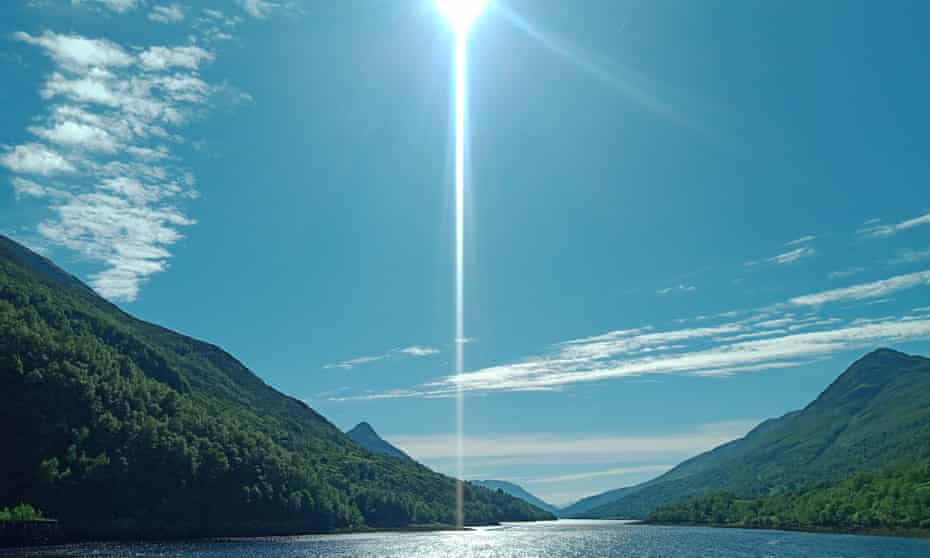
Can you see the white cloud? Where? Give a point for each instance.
(35, 158)
(28, 188)
(160, 58)
(113, 114)
(911, 256)
(352, 363)
(876, 289)
(680, 288)
(118, 6)
(419, 351)
(77, 53)
(802, 240)
(547, 447)
(560, 369)
(412, 351)
(612, 472)
(792, 256)
(771, 338)
(257, 8)
(214, 25)
(875, 230)
(77, 134)
(167, 14)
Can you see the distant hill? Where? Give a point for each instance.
(518, 492)
(119, 427)
(585, 505)
(877, 413)
(364, 435)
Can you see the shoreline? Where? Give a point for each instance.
(858, 531)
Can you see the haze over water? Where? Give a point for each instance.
(562, 539)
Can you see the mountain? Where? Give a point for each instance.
(877, 413)
(585, 505)
(518, 491)
(891, 500)
(118, 427)
(364, 435)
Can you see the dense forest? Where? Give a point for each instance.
(892, 499)
(119, 426)
(876, 414)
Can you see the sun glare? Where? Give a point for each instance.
(460, 13)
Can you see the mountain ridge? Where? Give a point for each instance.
(876, 413)
(518, 491)
(364, 435)
(171, 436)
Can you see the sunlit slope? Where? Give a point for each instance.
(123, 426)
(875, 414)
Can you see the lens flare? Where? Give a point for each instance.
(460, 13)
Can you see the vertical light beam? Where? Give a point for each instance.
(460, 14)
(460, 101)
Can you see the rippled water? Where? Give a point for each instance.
(562, 539)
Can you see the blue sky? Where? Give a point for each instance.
(684, 217)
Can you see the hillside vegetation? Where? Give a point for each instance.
(875, 414)
(893, 499)
(121, 426)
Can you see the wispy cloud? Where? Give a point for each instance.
(612, 472)
(547, 447)
(792, 256)
(875, 289)
(679, 288)
(875, 229)
(102, 153)
(802, 240)
(118, 6)
(766, 339)
(358, 361)
(911, 256)
(258, 8)
(804, 250)
(418, 351)
(214, 26)
(167, 14)
(412, 351)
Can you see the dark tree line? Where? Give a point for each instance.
(895, 498)
(108, 421)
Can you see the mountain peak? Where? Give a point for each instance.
(883, 353)
(364, 435)
(364, 427)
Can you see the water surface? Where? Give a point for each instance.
(562, 539)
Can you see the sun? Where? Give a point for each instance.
(460, 13)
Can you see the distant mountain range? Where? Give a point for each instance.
(876, 414)
(122, 428)
(364, 435)
(518, 492)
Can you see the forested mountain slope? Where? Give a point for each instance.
(519, 492)
(894, 499)
(121, 426)
(877, 413)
